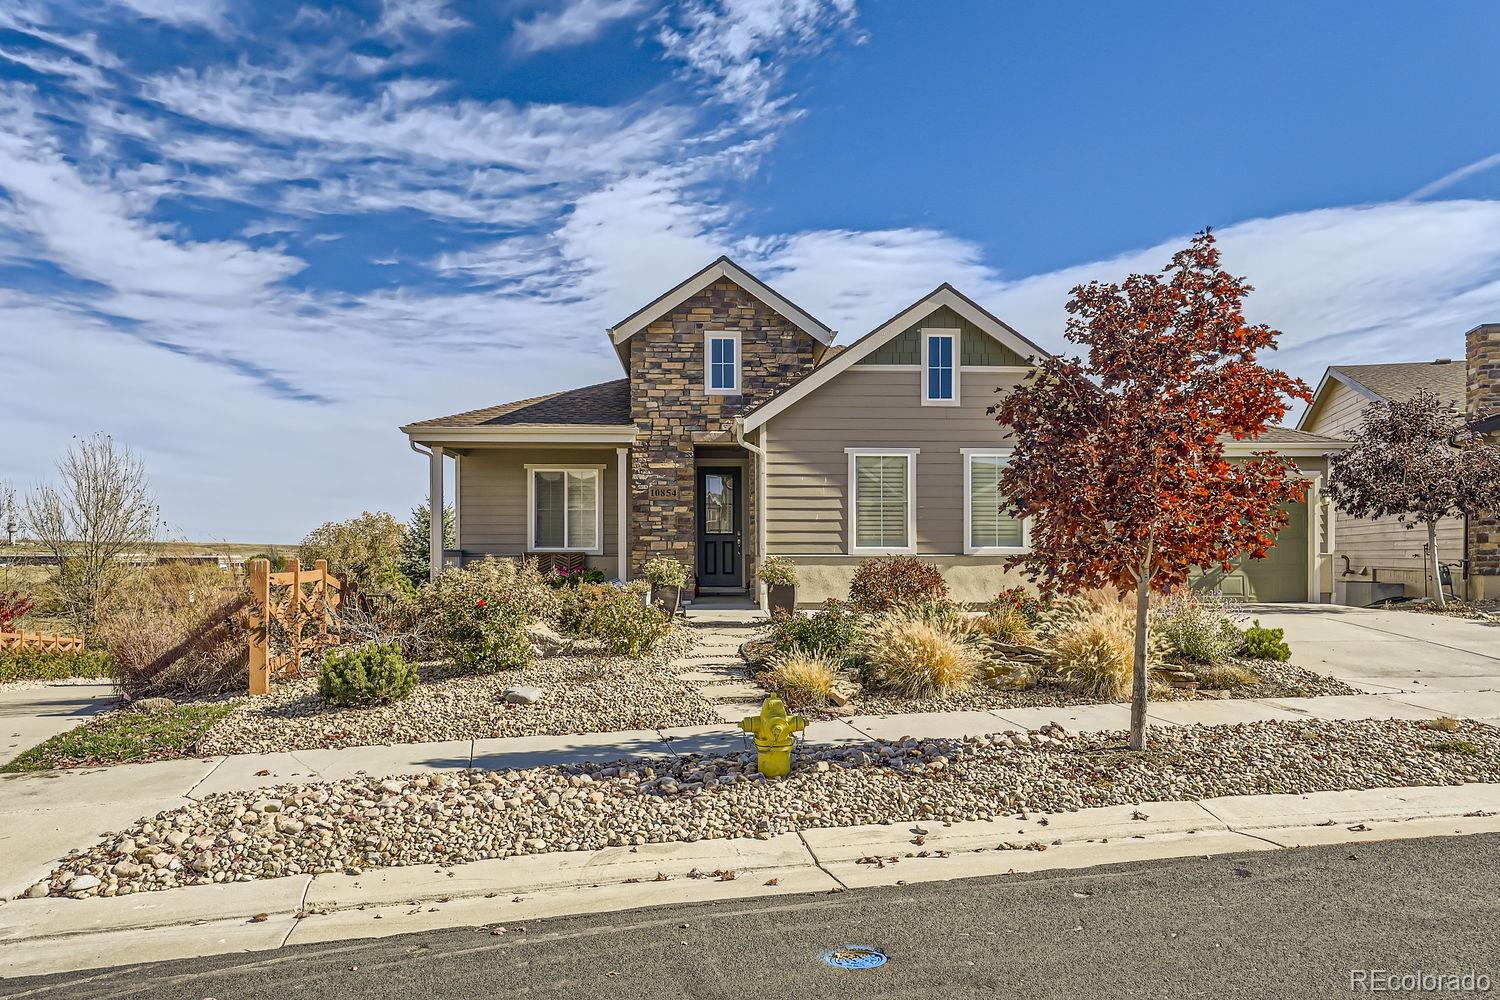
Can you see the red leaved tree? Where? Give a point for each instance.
(1119, 457)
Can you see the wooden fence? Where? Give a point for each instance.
(301, 602)
(40, 640)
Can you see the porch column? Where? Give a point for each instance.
(435, 508)
(622, 508)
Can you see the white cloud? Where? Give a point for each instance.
(741, 46)
(433, 17)
(205, 13)
(1463, 173)
(573, 23)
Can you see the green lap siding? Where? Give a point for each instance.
(1281, 576)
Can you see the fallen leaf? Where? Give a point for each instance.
(773, 881)
(260, 918)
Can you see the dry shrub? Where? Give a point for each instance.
(893, 582)
(802, 679)
(1092, 643)
(1224, 676)
(1006, 625)
(917, 657)
(160, 609)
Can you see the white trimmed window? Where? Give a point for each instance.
(940, 368)
(882, 500)
(721, 362)
(988, 528)
(564, 509)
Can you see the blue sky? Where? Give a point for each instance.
(253, 238)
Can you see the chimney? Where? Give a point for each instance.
(1482, 347)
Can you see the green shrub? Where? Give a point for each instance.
(53, 665)
(372, 675)
(617, 617)
(363, 552)
(829, 632)
(664, 571)
(1265, 644)
(778, 571)
(1197, 627)
(880, 585)
(477, 616)
(917, 657)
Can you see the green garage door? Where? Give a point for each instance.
(1280, 576)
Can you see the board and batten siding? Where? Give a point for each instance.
(492, 488)
(1391, 552)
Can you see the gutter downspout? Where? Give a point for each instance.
(760, 496)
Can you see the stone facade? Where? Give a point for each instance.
(1483, 352)
(674, 415)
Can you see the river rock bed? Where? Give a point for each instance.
(582, 692)
(451, 817)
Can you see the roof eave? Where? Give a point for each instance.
(523, 434)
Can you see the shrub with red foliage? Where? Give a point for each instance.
(880, 585)
(13, 607)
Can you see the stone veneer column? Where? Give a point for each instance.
(1483, 351)
(672, 412)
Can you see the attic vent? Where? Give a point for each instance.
(1443, 361)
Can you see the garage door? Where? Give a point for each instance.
(1280, 576)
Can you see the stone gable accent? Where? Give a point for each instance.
(1483, 351)
(671, 410)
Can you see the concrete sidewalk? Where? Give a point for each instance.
(45, 814)
(55, 935)
(33, 713)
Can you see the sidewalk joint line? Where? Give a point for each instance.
(1434, 642)
(208, 774)
(301, 908)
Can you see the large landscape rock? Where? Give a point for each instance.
(523, 695)
(547, 640)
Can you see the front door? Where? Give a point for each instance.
(719, 509)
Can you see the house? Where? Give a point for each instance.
(1379, 557)
(741, 431)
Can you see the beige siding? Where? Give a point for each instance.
(1378, 548)
(493, 496)
(808, 471)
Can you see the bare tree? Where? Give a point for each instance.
(101, 508)
(1415, 460)
(8, 511)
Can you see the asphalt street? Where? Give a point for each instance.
(1283, 924)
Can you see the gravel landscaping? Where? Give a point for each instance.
(1277, 680)
(452, 817)
(584, 692)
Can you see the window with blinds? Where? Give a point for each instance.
(882, 512)
(565, 509)
(990, 527)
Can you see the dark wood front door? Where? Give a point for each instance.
(720, 505)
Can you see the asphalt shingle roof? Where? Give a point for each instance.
(605, 403)
(1400, 382)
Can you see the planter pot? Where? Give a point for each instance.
(782, 598)
(666, 598)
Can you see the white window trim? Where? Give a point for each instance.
(970, 549)
(709, 336)
(910, 548)
(927, 334)
(598, 471)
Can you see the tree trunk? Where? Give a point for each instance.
(1138, 683)
(1434, 565)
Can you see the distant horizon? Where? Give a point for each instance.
(251, 240)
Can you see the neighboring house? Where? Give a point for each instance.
(1482, 346)
(1381, 551)
(739, 432)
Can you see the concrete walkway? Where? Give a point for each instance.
(33, 713)
(55, 935)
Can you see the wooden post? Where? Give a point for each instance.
(435, 508)
(260, 626)
(294, 606)
(320, 599)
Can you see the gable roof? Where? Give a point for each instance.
(943, 295)
(1394, 382)
(723, 267)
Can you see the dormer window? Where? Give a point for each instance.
(721, 354)
(940, 367)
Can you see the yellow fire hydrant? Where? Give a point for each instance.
(773, 730)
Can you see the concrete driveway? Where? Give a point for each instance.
(1421, 656)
